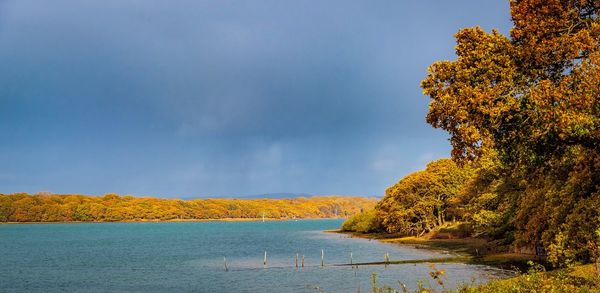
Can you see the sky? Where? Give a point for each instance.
(222, 98)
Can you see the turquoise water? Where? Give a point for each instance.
(188, 257)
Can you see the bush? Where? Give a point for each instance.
(364, 222)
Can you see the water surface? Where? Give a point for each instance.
(188, 257)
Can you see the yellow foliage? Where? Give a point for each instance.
(111, 207)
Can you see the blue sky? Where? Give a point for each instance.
(222, 98)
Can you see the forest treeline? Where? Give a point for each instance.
(523, 114)
(21, 207)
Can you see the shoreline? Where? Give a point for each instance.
(466, 250)
(175, 221)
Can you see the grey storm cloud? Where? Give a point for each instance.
(198, 98)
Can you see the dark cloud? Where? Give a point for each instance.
(193, 98)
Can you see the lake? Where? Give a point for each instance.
(188, 257)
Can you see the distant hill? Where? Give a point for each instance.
(281, 195)
(278, 195)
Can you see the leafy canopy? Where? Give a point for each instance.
(532, 100)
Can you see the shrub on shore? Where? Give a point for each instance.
(364, 222)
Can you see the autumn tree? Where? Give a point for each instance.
(533, 99)
(419, 202)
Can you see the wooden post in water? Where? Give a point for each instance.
(225, 262)
(350, 257)
(296, 260)
(303, 260)
(265, 259)
(322, 258)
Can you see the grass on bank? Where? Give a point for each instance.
(582, 278)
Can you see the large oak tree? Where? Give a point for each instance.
(532, 98)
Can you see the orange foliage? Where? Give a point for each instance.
(21, 207)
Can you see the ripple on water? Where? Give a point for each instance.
(188, 257)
